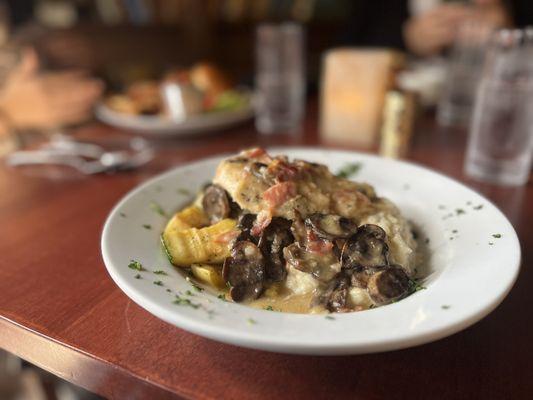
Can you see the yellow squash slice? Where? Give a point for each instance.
(198, 246)
(190, 217)
(210, 274)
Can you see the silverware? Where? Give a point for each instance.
(87, 158)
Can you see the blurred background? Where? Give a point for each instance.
(368, 68)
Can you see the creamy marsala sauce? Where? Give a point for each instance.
(288, 235)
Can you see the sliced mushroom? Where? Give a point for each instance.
(245, 225)
(216, 203)
(330, 226)
(274, 238)
(366, 248)
(322, 266)
(388, 285)
(257, 169)
(335, 296)
(244, 271)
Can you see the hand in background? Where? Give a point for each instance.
(427, 34)
(31, 99)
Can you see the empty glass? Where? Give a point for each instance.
(501, 134)
(463, 72)
(279, 78)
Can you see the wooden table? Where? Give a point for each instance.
(60, 310)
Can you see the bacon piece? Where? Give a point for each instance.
(279, 193)
(226, 237)
(258, 154)
(261, 222)
(282, 171)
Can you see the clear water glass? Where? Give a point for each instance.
(462, 76)
(500, 145)
(279, 78)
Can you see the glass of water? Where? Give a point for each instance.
(501, 133)
(462, 75)
(279, 77)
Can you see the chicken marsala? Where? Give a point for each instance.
(291, 236)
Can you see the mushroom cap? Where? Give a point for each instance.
(244, 271)
(366, 248)
(388, 285)
(274, 238)
(331, 226)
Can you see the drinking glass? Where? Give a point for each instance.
(501, 134)
(462, 75)
(279, 77)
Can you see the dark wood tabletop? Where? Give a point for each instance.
(60, 310)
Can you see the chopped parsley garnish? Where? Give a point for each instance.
(349, 170)
(185, 302)
(459, 211)
(269, 308)
(497, 235)
(252, 321)
(194, 285)
(159, 272)
(491, 244)
(136, 265)
(445, 307)
(147, 226)
(123, 215)
(169, 290)
(454, 231)
(158, 283)
(183, 191)
(189, 293)
(138, 276)
(222, 297)
(478, 207)
(157, 208)
(329, 317)
(415, 286)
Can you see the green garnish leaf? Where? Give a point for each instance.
(157, 208)
(251, 321)
(459, 211)
(445, 307)
(138, 276)
(491, 244)
(189, 293)
(415, 286)
(222, 297)
(269, 308)
(478, 207)
(147, 226)
(497, 235)
(349, 170)
(123, 215)
(136, 265)
(330, 317)
(159, 272)
(158, 283)
(185, 302)
(194, 285)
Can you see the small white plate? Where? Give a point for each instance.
(474, 262)
(156, 125)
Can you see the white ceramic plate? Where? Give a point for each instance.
(159, 126)
(471, 269)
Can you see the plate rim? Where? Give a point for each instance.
(250, 339)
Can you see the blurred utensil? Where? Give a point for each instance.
(87, 158)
